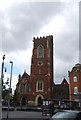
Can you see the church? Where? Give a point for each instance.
(31, 89)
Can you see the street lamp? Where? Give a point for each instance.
(1, 85)
(2, 70)
(10, 90)
(1, 80)
(11, 76)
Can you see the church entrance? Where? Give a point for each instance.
(39, 102)
(23, 101)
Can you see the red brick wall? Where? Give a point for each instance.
(48, 80)
(75, 72)
(46, 71)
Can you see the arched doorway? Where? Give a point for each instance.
(23, 101)
(39, 102)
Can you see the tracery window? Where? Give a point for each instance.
(40, 51)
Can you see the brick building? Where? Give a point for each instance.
(61, 91)
(39, 85)
(75, 82)
(22, 89)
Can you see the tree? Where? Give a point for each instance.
(5, 90)
(15, 97)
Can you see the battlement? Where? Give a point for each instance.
(44, 37)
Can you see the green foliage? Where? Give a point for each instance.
(5, 93)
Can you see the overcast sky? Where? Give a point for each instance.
(20, 21)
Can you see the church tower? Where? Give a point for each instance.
(41, 72)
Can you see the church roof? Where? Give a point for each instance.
(25, 75)
(64, 81)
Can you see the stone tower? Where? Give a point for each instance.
(41, 72)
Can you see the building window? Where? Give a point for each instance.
(75, 78)
(19, 88)
(39, 71)
(26, 88)
(78, 70)
(40, 52)
(40, 63)
(24, 80)
(75, 90)
(23, 89)
(29, 88)
(39, 86)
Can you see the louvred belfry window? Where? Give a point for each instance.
(39, 86)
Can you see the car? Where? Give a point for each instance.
(6, 108)
(67, 115)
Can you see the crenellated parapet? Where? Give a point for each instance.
(44, 37)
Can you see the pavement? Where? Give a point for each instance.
(24, 115)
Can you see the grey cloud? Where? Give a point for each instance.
(67, 41)
(24, 20)
(80, 32)
(67, 45)
(21, 22)
(1, 30)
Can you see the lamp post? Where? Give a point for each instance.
(10, 90)
(2, 70)
(11, 76)
(70, 95)
(1, 85)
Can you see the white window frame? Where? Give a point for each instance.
(75, 79)
(75, 90)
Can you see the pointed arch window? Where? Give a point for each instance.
(26, 88)
(39, 86)
(19, 88)
(40, 51)
(75, 78)
(75, 90)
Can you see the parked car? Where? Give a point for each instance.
(6, 108)
(67, 115)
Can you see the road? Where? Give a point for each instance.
(24, 115)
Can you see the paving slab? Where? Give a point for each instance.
(24, 115)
